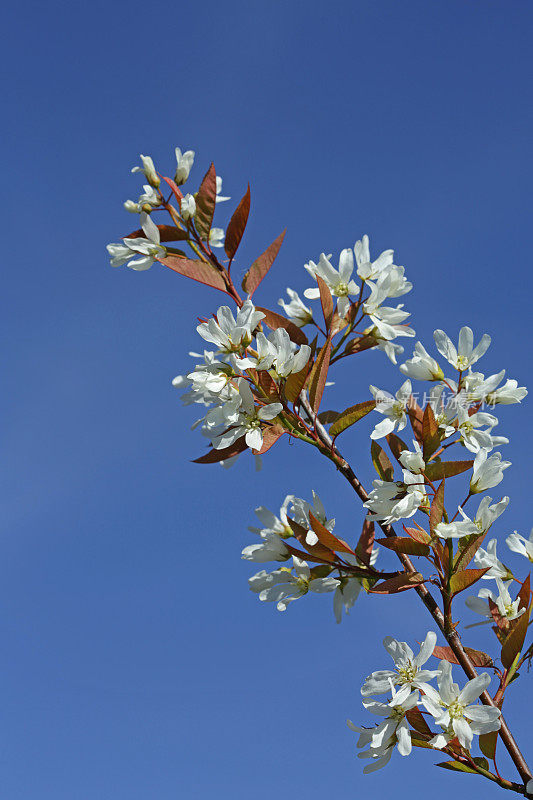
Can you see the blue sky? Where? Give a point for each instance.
(136, 663)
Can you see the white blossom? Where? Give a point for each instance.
(188, 207)
(231, 334)
(393, 501)
(296, 310)
(469, 425)
(488, 559)
(393, 408)
(349, 587)
(408, 672)
(507, 607)
(487, 472)
(366, 269)
(484, 518)
(519, 544)
(219, 198)
(148, 169)
(465, 354)
(184, 162)
(246, 420)
(139, 253)
(283, 586)
(422, 366)
(509, 393)
(277, 352)
(339, 281)
(216, 237)
(149, 197)
(413, 460)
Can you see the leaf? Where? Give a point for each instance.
(418, 535)
(437, 508)
(396, 445)
(456, 766)
(309, 556)
(274, 321)
(271, 434)
(514, 640)
(350, 416)
(300, 533)
(326, 301)
(524, 595)
(361, 343)
(400, 583)
(419, 741)
(468, 548)
(464, 579)
(403, 544)
(327, 538)
(365, 545)
(415, 417)
(327, 417)
(175, 189)
(237, 225)
(318, 375)
(261, 265)
(295, 383)
(167, 233)
(381, 462)
(205, 203)
(430, 433)
(437, 470)
(214, 456)
(477, 657)
(417, 721)
(487, 744)
(195, 269)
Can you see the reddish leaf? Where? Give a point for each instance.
(396, 445)
(327, 417)
(437, 508)
(274, 321)
(205, 203)
(318, 375)
(295, 383)
(514, 640)
(268, 385)
(467, 550)
(360, 344)
(465, 578)
(309, 556)
(524, 595)
(195, 269)
(365, 545)
(407, 580)
(403, 544)
(418, 535)
(326, 301)
(430, 432)
(477, 657)
(416, 416)
(381, 462)
(417, 721)
(300, 533)
(167, 233)
(213, 456)
(437, 470)
(271, 434)
(236, 226)
(487, 744)
(350, 416)
(261, 265)
(327, 538)
(175, 189)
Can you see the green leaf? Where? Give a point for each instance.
(403, 544)
(437, 470)
(468, 547)
(205, 203)
(456, 766)
(350, 416)
(261, 265)
(464, 579)
(381, 462)
(487, 744)
(237, 225)
(318, 375)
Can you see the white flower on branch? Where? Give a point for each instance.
(349, 587)
(507, 607)
(296, 310)
(339, 281)
(231, 334)
(488, 559)
(366, 269)
(274, 530)
(393, 408)
(283, 586)
(277, 352)
(484, 518)
(465, 354)
(487, 472)
(247, 420)
(413, 460)
(138, 254)
(408, 672)
(184, 163)
(519, 544)
(216, 237)
(148, 169)
(422, 366)
(474, 439)
(393, 501)
(454, 711)
(219, 198)
(188, 207)
(150, 197)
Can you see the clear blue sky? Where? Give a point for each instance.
(136, 664)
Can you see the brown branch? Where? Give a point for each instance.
(451, 636)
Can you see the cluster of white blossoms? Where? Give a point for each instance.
(454, 711)
(288, 583)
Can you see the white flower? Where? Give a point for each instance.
(149, 170)
(509, 393)
(472, 437)
(150, 197)
(296, 310)
(271, 523)
(392, 408)
(138, 254)
(388, 321)
(230, 334)
(218, 198)
(274, 530)
(339, 281)
(453, 709)
(247, 421)
(519, 544)
(488, 558)
(484, 518)
(391, 283)
(349, 587)
(413, 461)
(188, 207)
(393, 501)
(408, 672)
(283, 586)
(507, 607)
(299, 511)
(393, 731)
(466, 354)
(184, 165)
(391, 349)
(422, 366)
(487, 472)
(277, 352)
(216, 237)
(365, 268)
